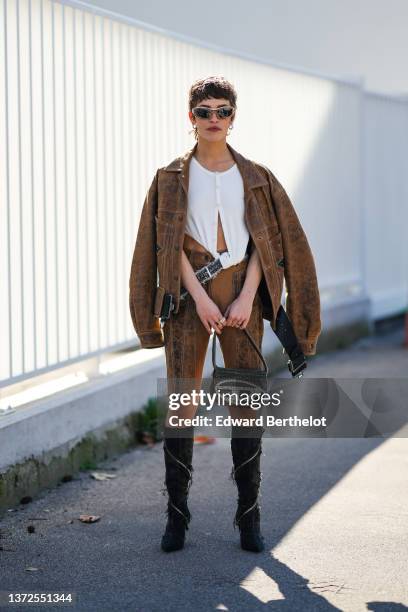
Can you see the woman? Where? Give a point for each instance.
(215, 204)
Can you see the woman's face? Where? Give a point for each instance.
(204, 125)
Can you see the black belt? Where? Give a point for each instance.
(206, 273)
(203, 275)
(284, 329)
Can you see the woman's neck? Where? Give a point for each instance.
(213, 152)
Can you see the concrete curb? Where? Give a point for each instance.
(48, 441)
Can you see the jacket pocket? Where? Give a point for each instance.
(271, 248)
(164, 233)
(164, 240)
(276, 247)
(158, 301)
(269, 243)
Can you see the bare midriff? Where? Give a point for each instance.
(192, 244)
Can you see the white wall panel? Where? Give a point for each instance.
(386, 203)
(90, 106)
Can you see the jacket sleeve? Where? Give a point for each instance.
(143, 275)
(302, 291)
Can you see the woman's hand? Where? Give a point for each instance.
(239, 311)
(209, 314)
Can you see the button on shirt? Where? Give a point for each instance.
(210, 193)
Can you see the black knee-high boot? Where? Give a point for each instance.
(246, 454)
(178, 454)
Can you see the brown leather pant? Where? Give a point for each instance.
(186, 339)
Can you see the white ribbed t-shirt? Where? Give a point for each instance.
(210, 193)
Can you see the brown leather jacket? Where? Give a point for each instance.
(275, 231)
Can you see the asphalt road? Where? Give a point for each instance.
(334, 518)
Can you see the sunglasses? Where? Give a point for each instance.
(202, 112)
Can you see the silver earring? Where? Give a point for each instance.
(230, 127)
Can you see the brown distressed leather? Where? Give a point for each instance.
(275, 232)
(191, 244)
(186, 339)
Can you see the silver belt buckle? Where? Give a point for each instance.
(225, 258)
(207, 272)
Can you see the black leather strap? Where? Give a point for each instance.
(286, 336)
(205, 274)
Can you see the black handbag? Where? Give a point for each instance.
(239, 380)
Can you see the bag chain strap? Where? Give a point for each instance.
(252, 341)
